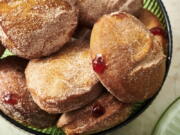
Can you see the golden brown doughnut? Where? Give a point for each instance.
(15, 99)
(64, 81)
(37, 28)
(103, 113)
(126, 57)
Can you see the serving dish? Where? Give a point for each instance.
(155, 6)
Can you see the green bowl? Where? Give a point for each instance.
(157, 8)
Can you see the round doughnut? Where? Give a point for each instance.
(126, 57)
(15, 99)
(64, 81)
(103, 113)
(37, 28)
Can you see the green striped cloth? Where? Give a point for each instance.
(152, 5)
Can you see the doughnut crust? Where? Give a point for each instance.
(92, 10)
(83, 122)
(15, 99)
(64, 81)
(36, 28)
(135, 63)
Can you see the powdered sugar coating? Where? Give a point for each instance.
(36, 28)
(134, 58)
(12, 82)
(92, 10)
(82, 121)
(64, 81)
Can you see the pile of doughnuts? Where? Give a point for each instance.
(78, 64)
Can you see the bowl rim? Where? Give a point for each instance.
(143, 108)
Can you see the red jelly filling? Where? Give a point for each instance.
(158, 31)
(99, 64)
(97, 110)
(11, 98)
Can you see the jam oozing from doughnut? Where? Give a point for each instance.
(99, 64)
(97, 110)
(158, 31)
(11, 98)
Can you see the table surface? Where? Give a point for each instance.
(144, 124)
